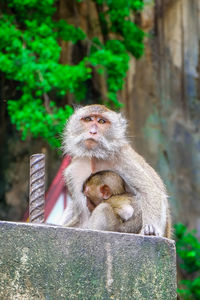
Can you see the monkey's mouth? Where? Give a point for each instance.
(91, 143)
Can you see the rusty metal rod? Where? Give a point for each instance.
(37, 188)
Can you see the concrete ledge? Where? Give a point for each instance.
(52, 262)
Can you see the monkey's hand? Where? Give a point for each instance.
(150, 230)
(125, 212)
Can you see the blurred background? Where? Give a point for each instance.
(138, 56)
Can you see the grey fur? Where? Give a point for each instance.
(113, 153)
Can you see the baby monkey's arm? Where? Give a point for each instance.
(122, 205)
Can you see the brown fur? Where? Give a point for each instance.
(127, 215)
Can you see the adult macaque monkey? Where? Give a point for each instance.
(95, 137)
(118, 210)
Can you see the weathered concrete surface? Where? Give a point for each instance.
(49, 262)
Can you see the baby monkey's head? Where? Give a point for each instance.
(102, 185)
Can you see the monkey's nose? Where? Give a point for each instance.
(93, 129)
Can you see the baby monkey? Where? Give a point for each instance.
(111, 206)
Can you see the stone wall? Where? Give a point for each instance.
(49, 262)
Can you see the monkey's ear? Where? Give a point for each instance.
(105, 190)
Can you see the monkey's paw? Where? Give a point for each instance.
(150, 230)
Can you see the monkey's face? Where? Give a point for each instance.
(93, 195)
(95, 126)
(92, 192)
(95, 192)
(94, 131)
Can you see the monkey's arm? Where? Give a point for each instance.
(134, 224)
(150, 190)
(76, 214)
(67, 218)
(103, 218)
(121, 205)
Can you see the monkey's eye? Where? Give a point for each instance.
(87, 119)
(101, 121)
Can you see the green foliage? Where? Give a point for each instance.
(119, 21)
(69, 33)
(188, 249)
(112, 59)
(30, 56)
(34, 119)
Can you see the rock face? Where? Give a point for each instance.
(49, 262)
(162, 102)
